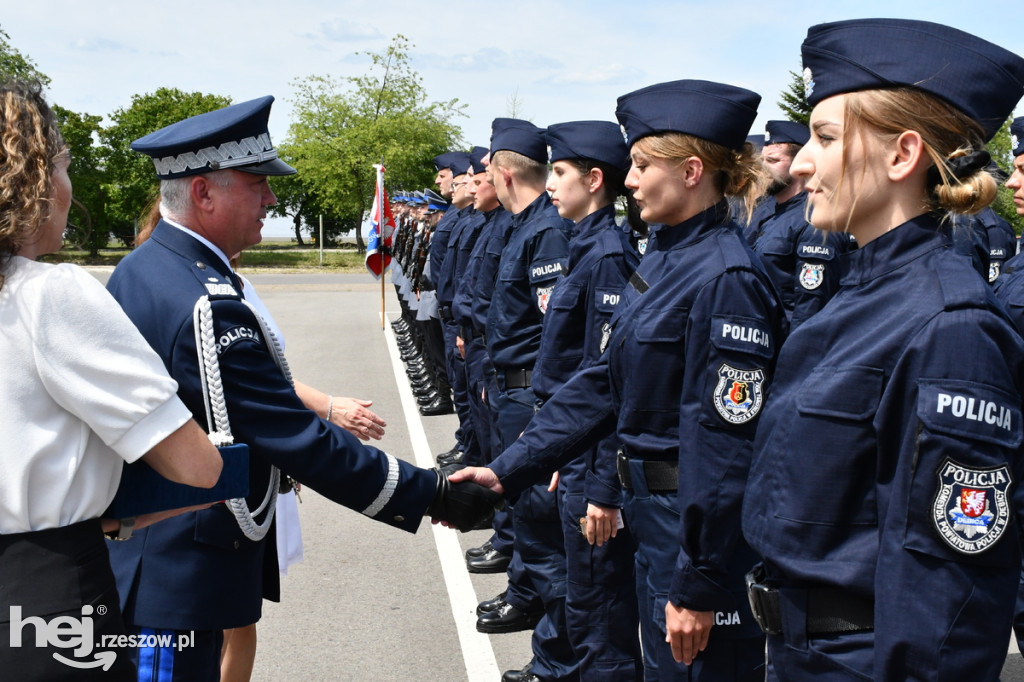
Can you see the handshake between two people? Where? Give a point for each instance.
(467, 499)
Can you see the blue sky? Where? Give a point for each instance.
(561, 60)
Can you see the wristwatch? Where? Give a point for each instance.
(124, 531)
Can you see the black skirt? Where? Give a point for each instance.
(58, 598)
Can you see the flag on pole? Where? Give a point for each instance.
(382, 229)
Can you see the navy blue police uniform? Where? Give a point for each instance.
(803, 262)
(1002, 241)
(600, 602)
(884, 481)
(1009, 289)
(531, 263)
(444, 269)
(198, 571)
(683, 377)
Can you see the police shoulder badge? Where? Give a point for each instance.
(739, 394)
(811, 275)
(971, 509)
(993, 271)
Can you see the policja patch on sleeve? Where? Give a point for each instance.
(739, 394)
(971, 509)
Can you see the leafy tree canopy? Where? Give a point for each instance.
(342, 127)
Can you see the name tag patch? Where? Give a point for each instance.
(816, 251)
(971, 510)
(739, 394)
(543, 271)
(221, 290)
(811, 275)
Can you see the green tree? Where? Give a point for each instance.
(88, 224)
(131, 182)
(343, 127)
(794, 100)
(1000, 149)
(16, 65)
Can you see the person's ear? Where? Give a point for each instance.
(906, 155)
(693, 171)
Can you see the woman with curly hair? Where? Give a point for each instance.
(82, 394)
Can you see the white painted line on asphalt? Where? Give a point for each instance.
(477, 653)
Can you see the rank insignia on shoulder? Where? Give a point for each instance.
(811, 275)
(971, 509)
(739, 394)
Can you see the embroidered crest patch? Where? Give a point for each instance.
(543, 296)
(739, 394)
(811, 275)
(993, 271)
(971, 510)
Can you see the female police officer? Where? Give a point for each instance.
(589, 160)
(681, 382)
(881, 491)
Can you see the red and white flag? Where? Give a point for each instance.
(382, 229)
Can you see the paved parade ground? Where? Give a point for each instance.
(370, 602)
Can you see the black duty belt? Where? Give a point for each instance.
(661, 476)
(445, 312)
(518, 378)
(830, 610)
(468, 333)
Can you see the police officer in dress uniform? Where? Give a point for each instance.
(200, 572)
(682, 379)
(531, 263)
(589, 164)
(803, 262)
(887, 463)
(449, 231)
(428, 317)
(1009, 289)
(469, 308)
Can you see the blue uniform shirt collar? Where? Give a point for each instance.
(694, 229)
(895, 248)
(533, 210)
(202, 240)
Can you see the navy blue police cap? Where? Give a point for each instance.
(442, 161)
(477, 159)
(715, 112)
(460, 163)
(977, 77)
(595, 140)
(756, 140)
(783, 132)
(416, 199)
(233, 137)
(522, 137)
(434, 201)
(1017, 136)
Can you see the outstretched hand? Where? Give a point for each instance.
(464, 505)
(479, 475)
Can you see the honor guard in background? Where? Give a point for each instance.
(464, 231)
(427, 317)
(201, 571)
(802, 262)
(685, 368)
(884, 494)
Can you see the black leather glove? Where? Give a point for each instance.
(467, 506)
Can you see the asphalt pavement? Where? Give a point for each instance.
(370, 602)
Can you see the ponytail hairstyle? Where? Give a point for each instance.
(958, 181)
(734, 173)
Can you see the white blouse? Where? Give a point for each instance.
(81, 392)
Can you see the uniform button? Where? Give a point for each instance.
(399, 519)
(237, 544)
(201, 265)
